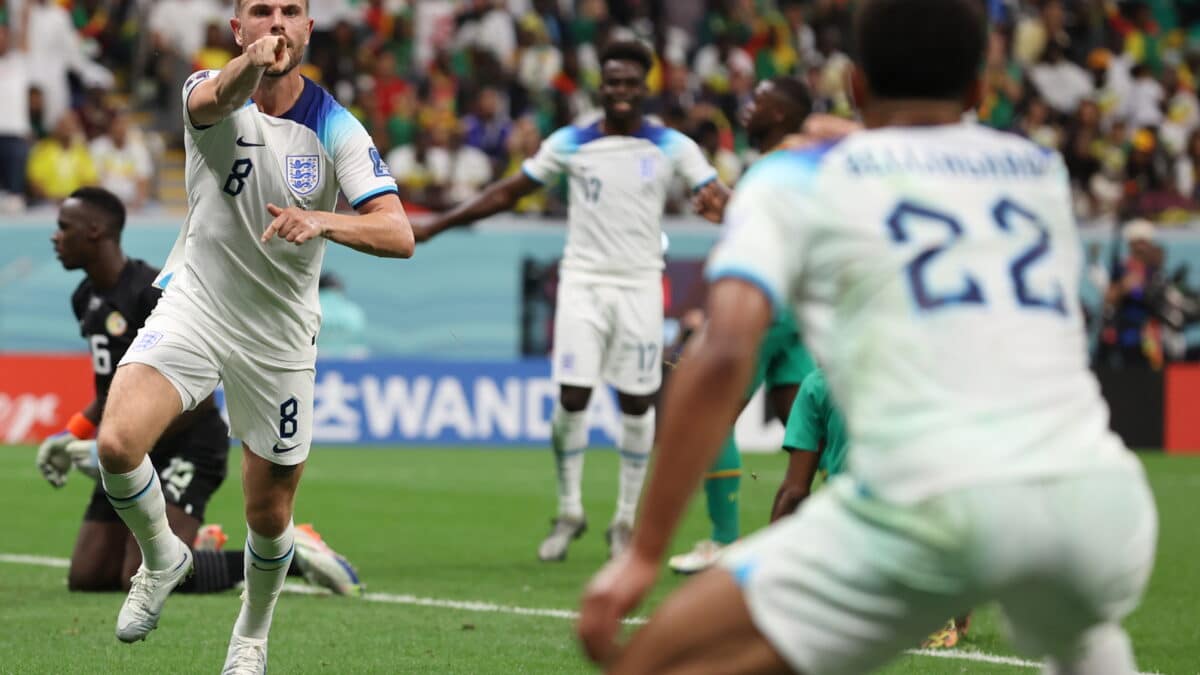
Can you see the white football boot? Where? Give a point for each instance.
(147, 595)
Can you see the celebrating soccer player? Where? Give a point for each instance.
(267, 152)
(111, 304)
(608, 318)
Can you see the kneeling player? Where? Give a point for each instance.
(111, 304)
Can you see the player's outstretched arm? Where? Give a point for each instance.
(499, 196)
(214, 99)
(380, 228)
(702, 402)
(797, 482)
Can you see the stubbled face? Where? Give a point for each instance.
(622, 89)
(72, 241)
(288, 18)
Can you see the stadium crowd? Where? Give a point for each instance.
(459, 92)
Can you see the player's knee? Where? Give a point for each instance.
(574, 399)
(635, 405)
(268, 520)
(116, 450)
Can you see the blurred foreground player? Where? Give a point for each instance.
(980, 358)
(111, 304)
(608, 323)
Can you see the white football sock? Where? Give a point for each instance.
(266, 564)
(568, 438)
(137, 497)
(637, 438)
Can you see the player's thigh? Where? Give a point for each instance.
(193, 463)
(169, 368)
(1085, 564)
(838, 592)
(635, 349)
(270, 406)
(581, 331)
(703, 627)
(99, 548)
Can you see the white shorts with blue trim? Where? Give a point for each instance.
(849, 582)
(609, 333)
(270, 403)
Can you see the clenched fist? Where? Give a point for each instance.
(269, 52)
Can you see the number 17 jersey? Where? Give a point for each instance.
(265, 294)
(935, 271)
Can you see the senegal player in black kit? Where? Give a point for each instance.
(111, 304)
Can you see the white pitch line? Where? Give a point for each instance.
(477, 606)
(39, 560)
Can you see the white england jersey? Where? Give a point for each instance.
(266, 294)
(935, 272)
(618, 187)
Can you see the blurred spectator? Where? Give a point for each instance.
(1059, 82)
(343, 322)
(1038, 30)
(485, 24)
(725, 161)
(60, 164)
(216, 51)
(1037, 124)
(1145, 98)
(95, 112)
(177, 32)
(123, 163)
(1187, 170)
(54, 49)
(1002, 87)
(460, 169)
(522, 143)
(15, 128)
(414, 176)
(339, 63)
(539, 60)
(488, 126)
(1131, 336)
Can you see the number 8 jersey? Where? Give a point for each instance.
(266, 294)
(935, 271)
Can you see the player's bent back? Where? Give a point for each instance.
(939, 268)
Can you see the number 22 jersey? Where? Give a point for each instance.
(935, 271)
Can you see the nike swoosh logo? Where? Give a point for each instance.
(276, 449)
(242, 142)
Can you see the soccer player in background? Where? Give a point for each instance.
(267, 152)
(111, 304)
(779, 109)
(935, 268)
(608, 323)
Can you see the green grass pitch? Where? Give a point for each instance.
(457, 525)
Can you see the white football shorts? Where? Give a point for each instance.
(270, 401)
(609, 333)
(849, 582)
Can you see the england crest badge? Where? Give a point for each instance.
(303, 173)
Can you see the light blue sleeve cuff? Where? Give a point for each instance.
(530, 176)
(373, 194)
(699, 186)
(745, 274)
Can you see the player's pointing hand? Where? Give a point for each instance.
(293, 224)
(269, 52)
